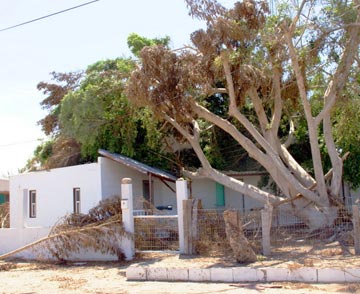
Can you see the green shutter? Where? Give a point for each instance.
(220, 195)
(2, 198)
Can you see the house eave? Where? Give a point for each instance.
(138, 166)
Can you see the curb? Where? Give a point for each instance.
(243, 274)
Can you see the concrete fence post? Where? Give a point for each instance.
(181, 194)
(127, 217)
(266, 218)
(356, 224)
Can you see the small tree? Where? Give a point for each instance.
(268, 65)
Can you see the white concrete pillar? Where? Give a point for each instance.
(128, 244)
(181, 194)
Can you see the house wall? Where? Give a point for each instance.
(113, 172)
(111, 175)
(15, 238)
(54, 194)
(205, 189)
(164, 196)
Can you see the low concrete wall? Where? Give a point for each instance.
(12, 239)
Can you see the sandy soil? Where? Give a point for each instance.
(20, 277)
(109, 278)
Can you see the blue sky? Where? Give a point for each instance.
(63, 43)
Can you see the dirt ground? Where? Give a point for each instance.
(21, 277)
(109, 278)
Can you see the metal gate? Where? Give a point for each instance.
(156, 232)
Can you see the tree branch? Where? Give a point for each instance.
(270, 161)
(338, 81)
(312, 127)
(259, 109)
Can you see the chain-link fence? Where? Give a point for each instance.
(291, 234)
(211, 236)
(288, 233)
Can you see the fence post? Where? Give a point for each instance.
(187, 221)
(266, 217)
(356, 223)
(127, 217)
(181, 194)
(194, 222)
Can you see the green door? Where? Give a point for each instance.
(220, 195)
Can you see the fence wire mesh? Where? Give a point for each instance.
(288, 233)
(211, 235)
(156, 233)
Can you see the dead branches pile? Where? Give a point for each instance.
(100, 230)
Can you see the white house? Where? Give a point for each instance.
(40, 199)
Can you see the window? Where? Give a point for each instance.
(32, 203)
(76, 194)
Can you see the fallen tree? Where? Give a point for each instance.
(251, 76)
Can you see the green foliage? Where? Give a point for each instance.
(347, 137)
(88, 110)
(136, 43)
(62, 84)
(98, 114)
(41, 155)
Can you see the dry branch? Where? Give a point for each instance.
(99, 230)
(61, 234)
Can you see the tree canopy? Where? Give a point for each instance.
(277, 92)
(89, 110)
(276, 77)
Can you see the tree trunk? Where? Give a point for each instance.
(238, 242)
(312, 216)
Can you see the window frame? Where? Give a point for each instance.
(32, 204)
(76, 200)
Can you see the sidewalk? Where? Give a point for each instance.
(243, 274)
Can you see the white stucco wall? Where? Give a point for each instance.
(164, 195)
(15, 238)
(54, 194)
(111, 175)
(205, 189)
(113, 172)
